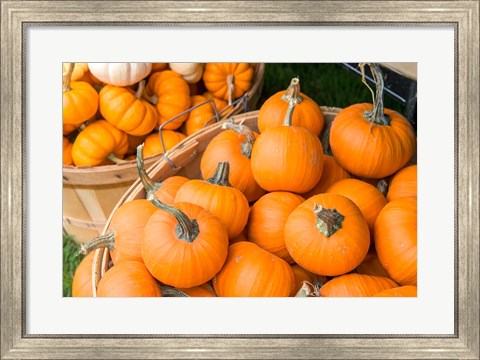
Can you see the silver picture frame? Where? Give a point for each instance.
(17, 15)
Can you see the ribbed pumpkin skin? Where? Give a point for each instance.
(371, 265)
(227, 146)
(287, 158)
(395, 236)
(251, 271)
(153, 144)
(220, 104)
(358, 285)
(332, 172)
(338, 254)
(367, 197)
(96, 142)
(215, 78)
(120, 74)
(120, 107)
(127, 224)
(371, 150)
(401, 291)
(79, 70)
(226, 203)
(168, 189)
(80, 103)
(307, 114)
(82, 279)
(403, 183)
(200, 117)
(267, 219)
(179, 263)
(128, 279)
(173, 95)
(67, 152)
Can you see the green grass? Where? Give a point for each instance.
(327, 84)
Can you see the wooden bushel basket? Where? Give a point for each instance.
(91, 193)
(186, 158)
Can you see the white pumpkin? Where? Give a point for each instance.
(191, 72)
(120, 74)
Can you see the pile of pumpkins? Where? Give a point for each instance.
(273, 214)
(111, 108)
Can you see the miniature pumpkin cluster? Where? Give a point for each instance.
(111, 108)
(274, 213)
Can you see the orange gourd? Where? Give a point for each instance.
(403, 183)
(97, 142)
(201, 115)
(395, 236)
(235, 146)
(183, 245)
(171, 95)
(401, 291)
(82, 278)
(125, 232)
(153, 143)
(251, 271)
(216, 195)
(370, 141)
(327, 235)
(308, 113)
(228, 81)
(332, 172)
(128, 279)
(287, 157)
(367, 197)
(80, 100)
(266, 221)
(67, 152)
(127, 110)
(356, 285)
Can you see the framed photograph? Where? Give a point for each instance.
(440, 37)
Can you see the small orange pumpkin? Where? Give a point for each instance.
(401, 291)
(67, 152)
(228, 81)
(200, 116)
(82, 279)
(403, 183)
(153, 143)
(371, 265)
(307, 112)
(356, 285)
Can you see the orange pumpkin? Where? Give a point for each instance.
(67, 152)
(395, 236)
(266, 222)
(159, 67)
(307, 112)
(204, 290)
(201, 115)
(401, 291)
(82, 279)
(356, 285)
(126, 109)
(79, 70)
(332, 172)
(220, 104)
(371, 141)
(171, 95)
(153, 143)
(97, 142)
(327, 235)
(125, 232)
(251, 271)
(371, 265)
(301, 275)
(184, 245)
(287, 157)
(228, 81)
(403, 183)
(367, 197)
(128, 279)
(80, 100)
(216, 195)
(235, 146)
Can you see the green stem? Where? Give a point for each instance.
(329, 221)
(187, 229)
(247, 144)
(168, 291)
(293, 92)
(220, 177)
(149, 185)
(67, 78)
(382, 186)
(377, 114)
(107, 240)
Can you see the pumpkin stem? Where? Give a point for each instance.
(231, 88)
(149, 185)
(247, 144)
(168, 291)
(152, 99)
(377, 114)
(140, 90)
(187, 229)
(106, 240)
(67, 77)
(329, 221)
(220, 177)
(115, 159)
(382, 186)
(293, 92)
